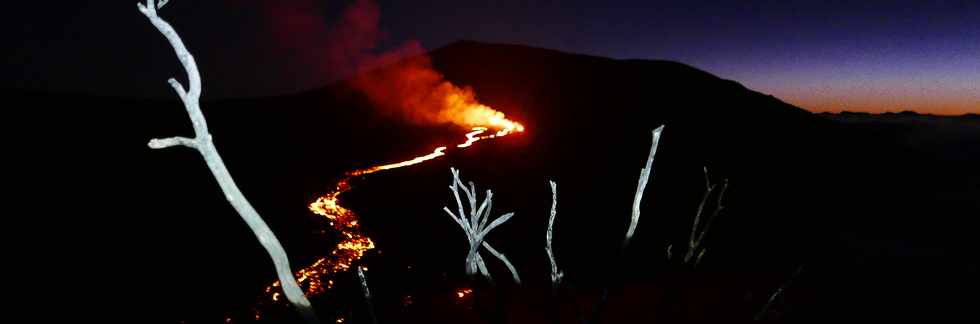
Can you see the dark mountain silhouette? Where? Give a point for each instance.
(880, 213)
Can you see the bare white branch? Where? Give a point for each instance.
(556, 275)
(203, 143)
(364, 285)
(459, 204)
(642, 184)
(695, 248)
(482, 266)
(513, 271)
(479, 216)
(486, 213)
(697, 260)
(494, 224)
(179, 89)
(475, 227)
(776, 294)
(162, 143)
(463, 224)
(697, 216)
(471, 196)
(367, 294)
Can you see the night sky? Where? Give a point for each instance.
(821, 55)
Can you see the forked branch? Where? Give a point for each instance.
(203, 143)
(695, 246)
(476, 228)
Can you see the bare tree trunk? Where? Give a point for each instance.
(367, 294)
(203, 143)
(556, 274)
(634, 220)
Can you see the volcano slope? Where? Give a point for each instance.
(879, 220)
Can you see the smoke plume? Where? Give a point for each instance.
(402, 81)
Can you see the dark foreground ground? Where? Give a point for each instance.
(880, 211)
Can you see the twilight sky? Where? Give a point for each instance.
(820, 55)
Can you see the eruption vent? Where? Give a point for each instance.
(412, 89)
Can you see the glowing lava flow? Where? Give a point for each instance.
(314, 278)
(437, 153)
(350, 249)
(472, 137)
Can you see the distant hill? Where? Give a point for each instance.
(937, 136)
(909, 116)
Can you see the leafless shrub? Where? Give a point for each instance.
(476, 228)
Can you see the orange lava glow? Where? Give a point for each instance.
(463, 292)
(350, 249)
(437, 153)
(472, 137)
(461, 108)
(314, 279)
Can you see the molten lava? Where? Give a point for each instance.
(314, 278)
(350, 249)
(472, 137)
(437, 153)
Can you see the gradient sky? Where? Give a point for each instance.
(820, 55)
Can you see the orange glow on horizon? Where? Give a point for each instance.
(885, 106)
(927, 99)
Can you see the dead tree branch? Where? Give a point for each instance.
(695, 245)
(476, 228)
(203, 143)
(642, 184)
(556, 274)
